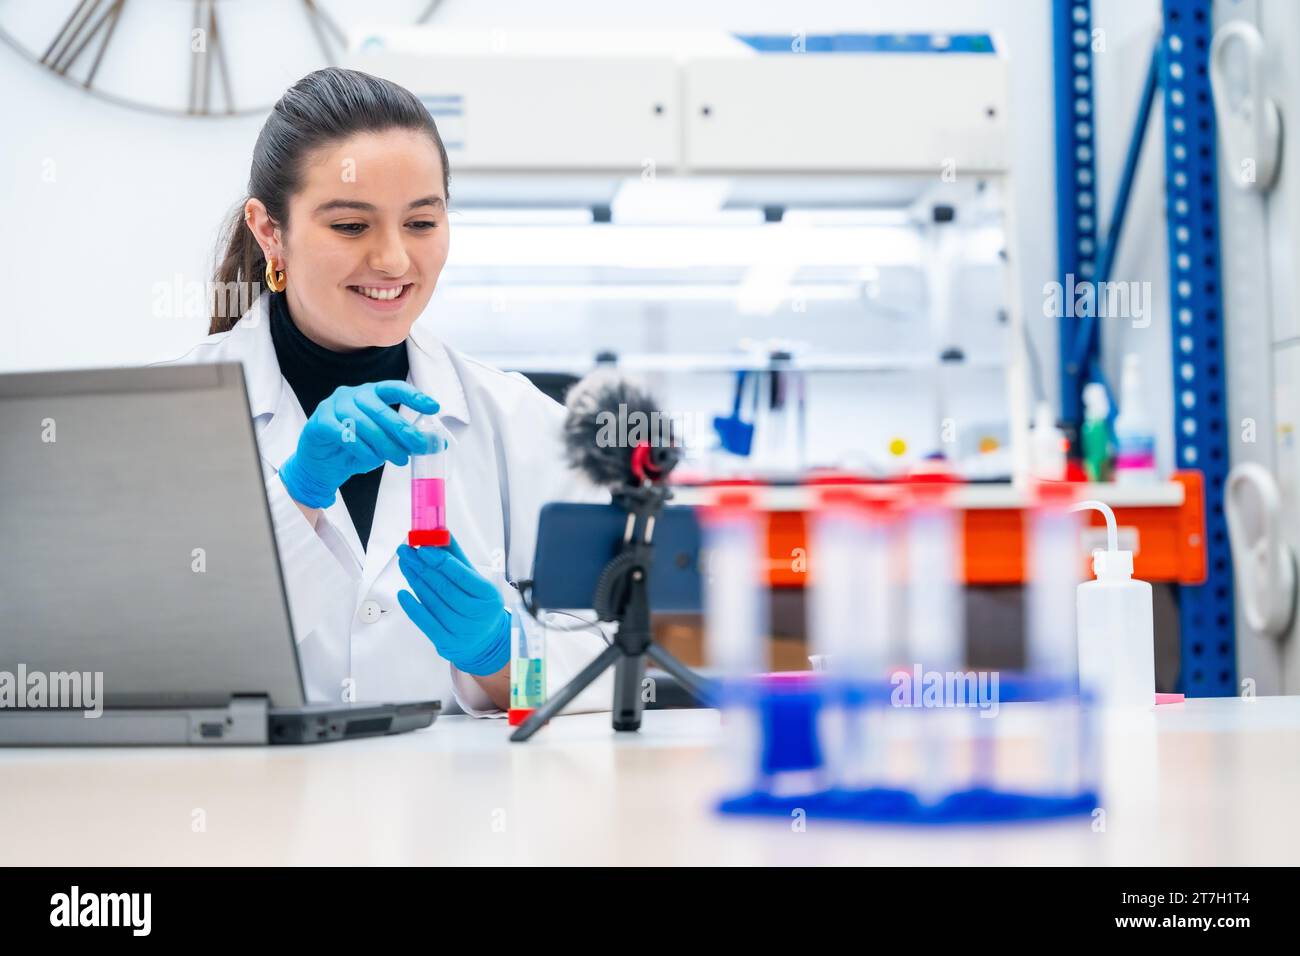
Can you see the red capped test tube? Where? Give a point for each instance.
(429, 485)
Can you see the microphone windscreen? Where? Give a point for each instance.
(607, 417)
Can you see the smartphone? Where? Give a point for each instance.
(575, 541)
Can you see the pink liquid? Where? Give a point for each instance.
(428, 504)
(1141, 460)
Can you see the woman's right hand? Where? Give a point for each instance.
(352, 432)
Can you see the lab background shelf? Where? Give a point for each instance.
(1167, 520)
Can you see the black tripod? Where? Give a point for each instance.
(622, 595)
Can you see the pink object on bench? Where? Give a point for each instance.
(1168, 698)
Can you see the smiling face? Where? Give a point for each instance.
(366, 239)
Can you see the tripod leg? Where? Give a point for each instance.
(570, 690)
(700, 688)
(628, 673)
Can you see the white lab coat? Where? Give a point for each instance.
(507, 462)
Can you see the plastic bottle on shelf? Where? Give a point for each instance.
(1098, 448)
(1047, 445)
(1135, 440)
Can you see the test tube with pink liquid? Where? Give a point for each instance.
(429, 485)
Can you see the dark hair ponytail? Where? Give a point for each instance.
(323, 107)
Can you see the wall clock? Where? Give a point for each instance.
(192, 57)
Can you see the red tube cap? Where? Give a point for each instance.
(437, 537)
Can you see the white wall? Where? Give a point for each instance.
(102, 202)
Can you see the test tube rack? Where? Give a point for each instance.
(788, 711)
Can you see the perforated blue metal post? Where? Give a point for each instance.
(1087, 343)
(1076, 176)
(1200, 402)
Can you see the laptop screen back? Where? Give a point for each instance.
(135, 538)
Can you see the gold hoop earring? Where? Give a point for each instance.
(275, 281)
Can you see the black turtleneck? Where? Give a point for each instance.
(313, 372)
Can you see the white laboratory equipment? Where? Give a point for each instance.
(1116, 627)
(660, 214)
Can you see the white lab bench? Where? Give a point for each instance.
(1224, 788)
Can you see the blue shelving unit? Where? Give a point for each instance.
(1201, 430)
(1200, 399)
(1076, 176)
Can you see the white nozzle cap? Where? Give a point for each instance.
(1112, 565)
(1095, 401)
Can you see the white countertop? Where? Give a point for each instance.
(1224, 788)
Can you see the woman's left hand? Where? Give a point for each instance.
(456, 608)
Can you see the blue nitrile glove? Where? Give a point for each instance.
(352, 432)
(456, 608)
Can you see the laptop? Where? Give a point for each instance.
(137, 555)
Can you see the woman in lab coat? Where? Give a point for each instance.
(346, 223)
